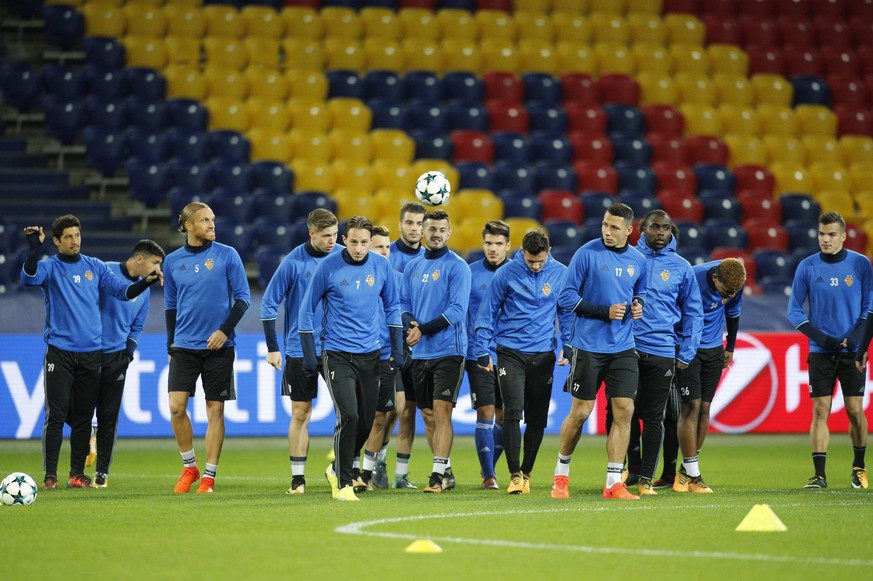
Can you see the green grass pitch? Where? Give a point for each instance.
(250, 529)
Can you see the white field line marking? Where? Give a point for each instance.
(358, 528)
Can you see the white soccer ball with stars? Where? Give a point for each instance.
(18, 488)
(432, 188)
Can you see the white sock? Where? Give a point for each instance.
(440, 465)
(613, 473)
(691, 465)
(210, 470)
(562, 468)
(189, 460)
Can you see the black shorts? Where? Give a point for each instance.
(297, 383)
(387, 379)
(215, 368)
(406, 381)
(588, 370)
(826, 368)
(483, 386)
(437, 380)
(526, 384)
(700, 379)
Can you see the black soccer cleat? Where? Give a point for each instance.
(817, 482)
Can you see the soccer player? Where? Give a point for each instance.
(206, 295)
(518, 313)
(72, 284)
(434, 305)
(287, 285)
(357, 289)
(672, 300)
(605, 287)
(836, 286)
(721, 293)
(123, 322)
(484, 392)
(403, 250)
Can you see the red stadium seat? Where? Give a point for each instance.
(664, 119)
(503, 86)
(507, 116)
(840, 61)
(595, 176)
(802, 60)
(722, 30)
(766, 235)
(853, 120)
(762, 9)
(585, 117)
(793, 8)
(796, 31)
(590, 147)
(754, 178)
(847, 90)
(707, 149)
(579, 88)
(759, 33)
(765, 60)
(762, 208)
(618, 88)
(472, 146)
(832, 32)
(667, 148)
(560, 205)
(675, 176)
(685, 208)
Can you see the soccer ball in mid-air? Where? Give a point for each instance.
(18, 488)
(432, 188)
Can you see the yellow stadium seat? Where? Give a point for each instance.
(351, 202)
(466, 235)
(457, 23)
(772, 90)
(302, 22)
(389, 201)
(344, 53)
(652, 58)
(312, 175)
(693, 88)
(607, 6)
(145, 20)
(538, 56)
(829, 176)
(534, 26)
(576, 57)
(688, 58)
(145, 51)
(422, 54)
(614, 58)
(684, 29)
(727, 58)
(792, 177)
(740, 120)
(309, 114)
(419, 23)
(311, 145)
(303, 53)
(223, 21)
(383, 54)
(856, 149)
(380, 23)
(459, 54)
(104, 20)
(538, 6)
(777, 120)
(393, 174)
(816, 120)
(822, 149)
(499, 55)
(262, 21)
(476, 205)
(864, 202)
(354, 175)
(657, 89)
(227, 113)
(646, 28)
(611, 28)
(733, 89)
(267, 113)
(266, 82)
(185, 82)
(495, 25)
(571, 27)
(419, 166)
(745, 149)
(350, 145)
(341, 22)
(182, 50)
(784, 149)
(184, 20)
(861, 176)
(225, 52)
(571, 6)
(518, 227)
(701, 119)
(225, 82)
(392, 144)
(645, 7)
(307, 83)
(348, 113)
(262, 51)
(269, 145)
(839, 201)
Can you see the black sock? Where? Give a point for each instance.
(859, 456)
(818, 460)
(366, 475)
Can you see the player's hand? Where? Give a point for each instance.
(862, 364)
(413, 335)
(636, 309)
(156, 275)
(216, 341)
(489, 368)
(28, 230)
(728, 358)
(274, 358)
(617, 312)
(680, 365)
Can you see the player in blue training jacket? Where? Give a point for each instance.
(605, 287)
(518, 314)
(836, 286)
(287, 286)
(349, 285)
(434, 303)
(721, 294)
(123, 322)
(484, 392)
(407, 247)
(672, 300)
(72, 284)
(206, 295)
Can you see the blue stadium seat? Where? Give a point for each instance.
(229, 173)
(422, 85)
(234, 233)
(105, 113)
(631, 148)
(268, 259)
(514, 147)
(596, 203)
(271, 204)
(229, 145)
(188, 114)
(178, 198)
(714, 176)
(475, 175)
(624, 119)
(591, 229)
(637, 177)
(344, 83)
(799, 208)
(720, 205)
(695, 256)
(551, 147)
(64, 118)
(803, 236)
(190, 174)
(146, 83)
(541, 87)
(555, 176)
(271, 175)
(465, 115)
(148, 181)
(145, 113)
(188, 145)
(511, 175)
(810, 90)
(233, 203)
(63, 82)
(388, 114)
(427, 115)
(432, 144)
(63, 25)
(640, 202)
(147, 145)
(518, 204)
(21, 84)
(774, 263)
(776, 285)
(724, 234)
(105, 83)
(304, 202)
(565, 255)
(463, 86)
(691, 237)
(385, 85)
(104, 52)
(105, 151)
(565, 234)
(548, 117)
(272, 232)
(9, 236)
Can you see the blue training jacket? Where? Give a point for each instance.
(123, 321)
(481, 274)
(715, 308)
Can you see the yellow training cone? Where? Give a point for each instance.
(331, 455)
(761, 519)
(424, 546)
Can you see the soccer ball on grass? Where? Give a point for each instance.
(432, 188)
(18, 488)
